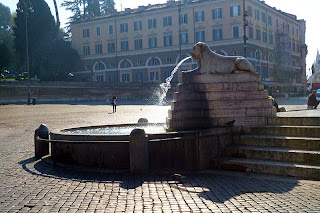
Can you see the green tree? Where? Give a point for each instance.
(107, 7)
(75, 7)
(41, 31)
(5, 56)
(93, 8)
(5, 16)
(63, 60)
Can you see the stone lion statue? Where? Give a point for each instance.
(210, 62)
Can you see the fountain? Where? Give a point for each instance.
(207, 107)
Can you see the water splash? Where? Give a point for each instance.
(164, 87)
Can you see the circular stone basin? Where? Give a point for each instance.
(118, 130)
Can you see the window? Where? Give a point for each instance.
(184, 38)
(98, 48)
(153, 42)
(110, 29)
(270, 39)
(249, 11)
(153, 62)
(297, 32)
(152, 23)
(200, 36)
(167, 21)
(292, 30)
(217, 13)
(289, 45)
(138, 44)
(111, 65)
(100, 78)
(298, 48)
(235, 11)
(258, 35)
(294, 46)
(99, 66)
(86, 50)
(111, 47)
(235, 32)
(264, 17)
(167, 40)
(124, 45)
(98, 32)
(124, 28)
(257, 14)
(217, 34)
(168, 60)
(139, 76)
(269, 20)
(125, 64)
(154, 75)
(199, 16)
(125, 77)
(251, 32)
(113, 78)
(288, 28)
(183, 18)
(86, 33)
(265, 72)
(139, 62)
(277, 23)
(264, 37)
(137, 25)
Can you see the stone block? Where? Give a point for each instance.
(254, 111)
(240, 86)
(228, 95)
(139, 152)
(242, 76)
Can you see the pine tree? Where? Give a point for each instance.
(93, 8)
(107, 7)
(75, 7)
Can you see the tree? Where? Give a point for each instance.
(93, 8)
(62, 60)
(5, 56)
(5, 16)
(41, 32)
(75, 7)
(107, 7)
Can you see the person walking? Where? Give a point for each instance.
(114, 103)
(312, 100)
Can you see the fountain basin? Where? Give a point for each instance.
(188, 150)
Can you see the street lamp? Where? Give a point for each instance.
(27, 8)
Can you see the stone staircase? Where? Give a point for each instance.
(286, 147)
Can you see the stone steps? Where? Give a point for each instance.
(274, 153)
(281, 130)
(278, 141)
(272, 167)
(289, 147)
(294, 121)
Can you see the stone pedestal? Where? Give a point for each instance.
(209, 100)
(41, 147)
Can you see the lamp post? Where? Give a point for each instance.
(25, 10)
(245, 24)
(27, 52)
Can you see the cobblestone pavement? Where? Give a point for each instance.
(30, 185)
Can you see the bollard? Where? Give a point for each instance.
(139, 152)
(41, 147)
(34, 100)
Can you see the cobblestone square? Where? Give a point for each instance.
(30, 185)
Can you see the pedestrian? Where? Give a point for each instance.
(312, 100)
(114, 103)
(274, 103)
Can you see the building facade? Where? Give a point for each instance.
(145, 44)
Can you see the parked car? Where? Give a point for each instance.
(318, 93)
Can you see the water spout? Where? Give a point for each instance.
(164, 87)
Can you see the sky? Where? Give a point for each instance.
(308, 10)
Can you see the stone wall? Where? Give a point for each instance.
(75, 91)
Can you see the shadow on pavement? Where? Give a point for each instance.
(210, 186)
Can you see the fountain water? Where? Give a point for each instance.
(164, 87)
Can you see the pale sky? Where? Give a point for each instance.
(308, 10)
